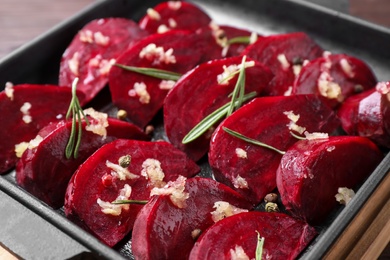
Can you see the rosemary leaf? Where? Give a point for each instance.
(259, 246)
(297, 136)
(239, 89)
(156, 73)
(140, 202)
(211, 119)
(250, 140)
(240, 39)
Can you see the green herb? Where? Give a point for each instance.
(239, 89)
(240, 39)
(140, 202)
(297, 136)
(259, 246)
(77, 114)
(156, 73)
(250, 140)
(211, 119)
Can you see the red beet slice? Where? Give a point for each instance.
(25, 109)
(251, 169)
(198, 93)
(284, 54)
(93, 51)
(334, 76)
(368, 114)
(311, 172)
(284, 237)
(44, 170)
(140, 95)
(165, 231)
(94, 180)
(174, 15)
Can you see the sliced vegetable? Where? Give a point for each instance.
(312, 171)
(44, 170)
(99, 180)
(251, 169)
(236, 237)
(164, 230)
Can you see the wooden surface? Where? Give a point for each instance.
(365, 238)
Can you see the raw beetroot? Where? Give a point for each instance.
(199, 92)
(334, 76)
(162, 230)
(284, 54)
(368, 114)
(140, 95)
(152, 164)
(311, 172)
(44, 171)
(249, 168)
(172, 15)
(236, 236)
(93, 51)
(25, 109)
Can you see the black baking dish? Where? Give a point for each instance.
(38, 62)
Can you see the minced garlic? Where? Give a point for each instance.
(224, 209)
(9, 90)
(99, 124)
(157, 54)
(238, 253)
(153, 14)
(140, 90)
(120, 172)
(240, 182)
(241, 153)
(152, 171)
(175, 190)
(344, 195)
(283, 61)
(73, 63)
(116, 209)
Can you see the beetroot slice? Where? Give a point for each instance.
(311, 172)
(334, 76)
(174, 15)
(142, 96)
(368, 114)
(94, 49)
(251, 169)
(41, 103)
(164, 231)
(284, 54)
(94, 180)
(284, 237)
(198, 93)
(44, 170)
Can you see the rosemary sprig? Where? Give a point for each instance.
(156, 73)
(213, 118)
(77, 112)
(139, 202)
(240, 39)
(252, 141)
(297, 136)
(259, 246)
(239, 89)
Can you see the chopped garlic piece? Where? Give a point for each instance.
(153, 14)
(240, 183)
(175, 190)
(347, 68)
(157, 54)
(73, 63)
(224, 209)
(162, 28)
(326, 54)
(283, 61)
(172, 23)
(297, 69)
(315, 135)
(288, 91)
(25, 109)
(195, 233)
(120, 172)
(290, 115)
(9, 90)
(27, 119)
(99, 125)
(328, 88)
(238, 253)
(101, 39)
(152, 171)
(86, 36)
(23, 146)
(105, 66)
(230, 71)
(174, 5)
(139, 89)
(344, 195)
(166, 84)
(241, 153)
(253, 38)
(293, 120)
(116, 209)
